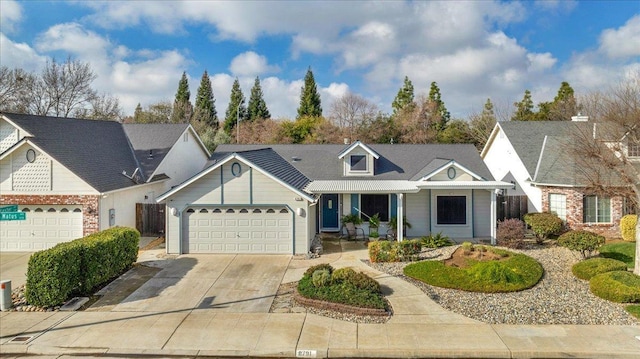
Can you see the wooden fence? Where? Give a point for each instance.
(150, 219)
(512, 207)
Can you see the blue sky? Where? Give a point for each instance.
(474, 50)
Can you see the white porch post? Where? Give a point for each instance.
(494, 216)
(400, 224)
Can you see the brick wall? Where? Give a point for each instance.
(575, 212)
(90, 210)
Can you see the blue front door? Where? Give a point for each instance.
(330, 211)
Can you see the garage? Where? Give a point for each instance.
(44, 227)
(238, 229)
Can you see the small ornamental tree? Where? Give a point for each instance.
(543, 225)
(584, 242)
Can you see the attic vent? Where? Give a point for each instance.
(150, 154)
(579, 118)
(295, 159)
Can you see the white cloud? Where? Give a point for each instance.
(622, 42)
(251, 64)
(73, 38)
(10, 15)
(20, 55)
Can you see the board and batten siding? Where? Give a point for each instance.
(221, 187)
(416, 209)
(481, 213)
(124, 204)
(43, 176)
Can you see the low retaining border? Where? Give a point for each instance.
(324, 305)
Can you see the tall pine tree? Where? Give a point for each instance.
(236, 109)
(205, 109)
(524, 109)
(404, 98)
(257, 108)
(441, 110)
(310, 105)
(182, 108)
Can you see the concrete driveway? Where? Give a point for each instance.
(222, 283)
(13, 267)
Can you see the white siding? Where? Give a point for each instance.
(183, 160)
(8, 135)
(346, 160)
(250, 187)
(501, 158)
(482, 213)
(458, 231)
(444, 176)
(416, 209)
(124, 203)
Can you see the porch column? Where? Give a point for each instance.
(400, 215)
(494, 216)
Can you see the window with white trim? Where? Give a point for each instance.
(596, 209)
(451, 209)
(358, 163)
(558, 205)
(633, 149)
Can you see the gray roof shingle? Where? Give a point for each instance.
(396, 162)
(152, 142)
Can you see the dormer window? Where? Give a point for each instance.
(358, 163)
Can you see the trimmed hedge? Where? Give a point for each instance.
(628, 227)
(619, 287)
(591, 267)
(584, 242)
(391, 251)
(543, 224)
(77, 267)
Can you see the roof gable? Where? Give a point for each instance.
(438, 166)
(360, 145)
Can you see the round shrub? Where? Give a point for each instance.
(628, 227)
(364, 282)
(342, 274)
(321, 278)
(619, 287)
(543, 224)
(510, 229)
(584, 242)
(309, 272)
(591, 267)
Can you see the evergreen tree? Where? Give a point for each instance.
(257, 108)
(404, 98)
(137, 114)
(205, 109)
(182, 108)
(441, 110)
(309, 98)
(236, 109)
(524, 109)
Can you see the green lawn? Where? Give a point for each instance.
(625, 252)
(634, 310)
(516, 272)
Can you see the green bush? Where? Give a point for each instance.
(543, 224)
(516, 272)
(309, 272)
(591, 267)
(346, 287)
(619, 287)
(77, 267)
(510, 233)
(584, 242)
(321, 278)
(436, 241)
(625, 252)
(628, 227)
(391, 251)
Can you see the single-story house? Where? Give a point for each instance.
(276, 198)
(63, 178)
(535, 155)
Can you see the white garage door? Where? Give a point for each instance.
(237, 230)
(44, 227)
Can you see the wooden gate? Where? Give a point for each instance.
(512, 207)
(150, 219)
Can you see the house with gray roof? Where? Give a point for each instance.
(277, 198)
(536, 157)
(63, 178)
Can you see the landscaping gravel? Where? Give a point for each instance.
(559, 298)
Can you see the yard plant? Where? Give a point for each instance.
(510, 233)
(543, 225)
(619, 286)
(344, 286)
(593, 266)
(625, 252)
(628, 227)
(584, 242)
(436, 241)
(392, 251)
(514, 272)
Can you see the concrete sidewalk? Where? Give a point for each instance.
(419, 328)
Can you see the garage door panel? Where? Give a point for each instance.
(238, 230)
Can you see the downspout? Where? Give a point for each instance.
(494, 215)
(399, 219)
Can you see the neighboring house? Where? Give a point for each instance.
(74, 177)
(534, 155)
(276, 198)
